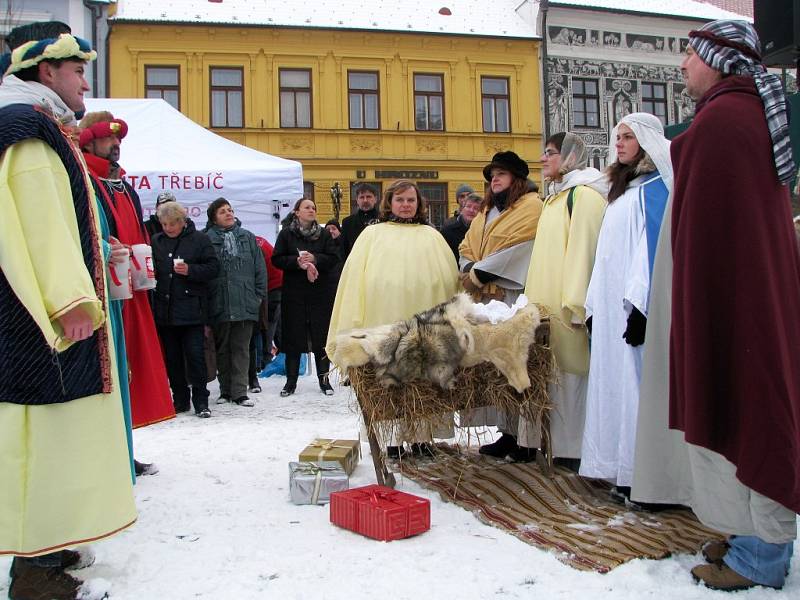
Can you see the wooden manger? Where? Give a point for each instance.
(418, 405)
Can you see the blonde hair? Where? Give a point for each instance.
(171, 211)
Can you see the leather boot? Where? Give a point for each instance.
(292, 373)
(29, 581)
(323, 368)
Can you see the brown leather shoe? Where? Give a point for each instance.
(721, 577)
(29, 582)
(715, 550)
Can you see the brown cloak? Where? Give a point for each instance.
(735, 338)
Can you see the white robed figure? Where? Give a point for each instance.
(640, 178)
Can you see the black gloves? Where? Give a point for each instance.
(634, 332)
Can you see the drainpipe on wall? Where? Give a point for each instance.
(545, 79)
(97, 12)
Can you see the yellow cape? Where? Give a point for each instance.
(64, 467)
(560, 269)
(514, 226)
(393, 272)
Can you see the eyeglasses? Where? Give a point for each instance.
(550, 152)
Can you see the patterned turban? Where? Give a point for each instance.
(733, 48)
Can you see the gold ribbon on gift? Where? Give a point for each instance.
(325, 446)
(307, 468)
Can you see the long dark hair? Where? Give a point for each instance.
(620, 175)
(517, 189)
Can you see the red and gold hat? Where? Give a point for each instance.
(99, 125)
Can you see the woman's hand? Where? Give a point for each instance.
(311, 272)
(307, 257)
(119, 251)
(181, 268)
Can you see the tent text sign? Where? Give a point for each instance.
(166, 151)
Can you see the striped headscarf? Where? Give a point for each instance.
(33, 52)
(733, 47)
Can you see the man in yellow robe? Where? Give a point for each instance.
(63, 453)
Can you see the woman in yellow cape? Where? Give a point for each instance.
(494, 259)
(397, 268)
(558, 277)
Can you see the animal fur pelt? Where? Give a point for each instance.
(431, 345)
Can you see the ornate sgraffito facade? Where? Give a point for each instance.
(598, 74)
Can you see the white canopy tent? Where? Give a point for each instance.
(164, 150)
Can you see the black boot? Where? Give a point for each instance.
(523, 455)
(501, 448)
(292, 373)
(323, 368)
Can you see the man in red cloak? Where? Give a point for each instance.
(734, 383)
(151, 400)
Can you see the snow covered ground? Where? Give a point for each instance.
(217, 523)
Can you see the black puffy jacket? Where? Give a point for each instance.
(183, 299)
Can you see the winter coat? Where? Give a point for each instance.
(352, 227)
(183, 299)
(241, 284)
(453, 231)
(153, 226)
(305, 307)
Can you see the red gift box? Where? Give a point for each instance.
(380, 512)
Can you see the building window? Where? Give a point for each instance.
(435, 195)
(227, 97)
(354, 184)
(308, 190)
(654, 100)
(295, 97)
(363, 96)
(494, 99)
(429, 102)
(163, 82)
(585, 103)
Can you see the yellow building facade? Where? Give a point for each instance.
(351, 106)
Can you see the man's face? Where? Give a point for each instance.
(365, 200)
(698, 75)
(460, 198)
(107, 147)
(470, 210)
(67, 80)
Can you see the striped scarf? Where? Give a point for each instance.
(733, 47)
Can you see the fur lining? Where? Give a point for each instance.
(646, 165)
(92, 118)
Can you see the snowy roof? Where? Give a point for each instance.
(741, 7)
(674, 8)
(496, 18)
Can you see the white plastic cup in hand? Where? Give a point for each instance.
(177, 261)
(304, 253)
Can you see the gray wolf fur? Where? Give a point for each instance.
(431, 345)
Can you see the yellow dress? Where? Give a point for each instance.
(64, 468)
(393, 272)
(560, 269)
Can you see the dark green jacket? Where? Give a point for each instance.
(241, 285)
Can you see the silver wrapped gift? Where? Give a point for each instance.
(313, 482)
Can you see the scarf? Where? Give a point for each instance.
(733, 47)
(230, 248)
(393, 218)
(16, 91)
(310, 233)
(649, 133)
(500, 199)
